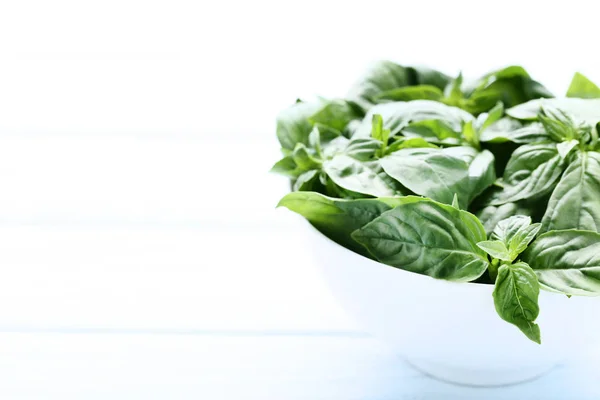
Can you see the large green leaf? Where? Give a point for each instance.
(358, 176)
(511, 86)
(509, 130)
(337, 114)
(407, 93)
(428, 238)
(399, 115)
(338, 218)
(567, 261)
(402, 142)
(583, 110)
(482, 173)
(496, 249)
(385, 76)
(516, 298)
(575, 202)
(363, 148)
(532, 171)
(583, 88)
(437, 132)
(293, 125)
(441, 173)
(307, 181)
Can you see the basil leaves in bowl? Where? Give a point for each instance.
(490, 186)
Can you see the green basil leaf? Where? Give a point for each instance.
(470, 134)
(440, 173)
(375, 166)
(428, 76)
(490, 216)
(304, 159)
(331, 189)
(337, 114)
(380, 77)
(384, 76)
(420, 92)
(338, 218)
(561, 126)
(583, 110)
(308, 181)
(322, 137)
(335, 146)
(482, 173)
(293, 126)
(428, 238)
(351, 128)
(575, 202)
(360, 177)
(377, 131)
(532, 171)
(583, 88)
(509, 130)
(511, 86)
(455, 202)
(565, 148)
(399, 115)
(380, 134)
(480, 102)
(433, 131)
(363, 149)
(516, 298)
(429, 172)
(485, 120)
(453, 91)
(496, 249)
(407, 143)
(286, 166)
(567, 261)
(516, 232)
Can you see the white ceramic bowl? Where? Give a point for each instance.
(451, 330)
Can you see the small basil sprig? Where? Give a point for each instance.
(510, 238)
(517, 288)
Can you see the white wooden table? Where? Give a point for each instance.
(344, 366)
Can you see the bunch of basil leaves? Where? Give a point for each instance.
(494, 181)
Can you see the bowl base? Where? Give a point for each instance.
(478, 377)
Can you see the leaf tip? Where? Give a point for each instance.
(455, 202)
(283, 201)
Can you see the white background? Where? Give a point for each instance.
(136, 136)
